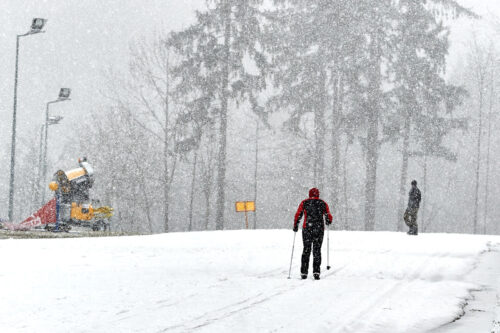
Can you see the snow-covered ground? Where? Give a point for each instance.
(236, 281)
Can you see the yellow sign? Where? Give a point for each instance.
(245, 206)
(240, 206)
(250, 205)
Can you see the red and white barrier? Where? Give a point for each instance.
(45, 215)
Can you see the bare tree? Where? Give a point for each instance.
(481, 62)
(492, 98)
(207, 172)
(150, 67)
(193, 184)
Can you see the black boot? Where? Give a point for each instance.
(413, 231)
(303, 276)
(316, 276)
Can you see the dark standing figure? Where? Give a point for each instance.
(413, 205)
(314, 210)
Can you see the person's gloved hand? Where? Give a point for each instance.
(295, 228)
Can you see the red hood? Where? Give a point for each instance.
(314, 193)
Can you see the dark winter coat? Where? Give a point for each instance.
(314, 210)
(414, 198)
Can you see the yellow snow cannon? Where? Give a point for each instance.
(74, 205)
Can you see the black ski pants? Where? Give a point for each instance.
(410, 218)
(311, 238)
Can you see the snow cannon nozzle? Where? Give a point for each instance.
(53, 186)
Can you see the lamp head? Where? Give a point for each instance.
(64, 94)
(37, 25)
(54, 120)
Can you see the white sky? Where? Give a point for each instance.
(482, 6)
(83, 38)
(484, 28)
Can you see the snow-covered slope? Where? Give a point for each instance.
(236, 281)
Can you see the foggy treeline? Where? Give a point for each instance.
(262, 100)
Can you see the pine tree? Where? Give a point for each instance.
(418, 64)
(299, 74)
(315, 48)
(377, 24)
(481, 61)
(150, 69)
(425, 100)
(214, 71)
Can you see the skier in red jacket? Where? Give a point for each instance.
(314, 210)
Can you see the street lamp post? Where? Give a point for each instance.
(64, 94)
(36, 27)
(40, 156)
(52, 121)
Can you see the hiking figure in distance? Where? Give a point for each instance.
(313, 229)
(411, 212)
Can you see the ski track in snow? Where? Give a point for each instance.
(356, 318)
(236, 281)
(480, 310)
(241, 305)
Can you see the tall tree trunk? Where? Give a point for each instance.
(221, 174)
(207, 210)
(335, 143)
(319, 131)
(424, 192)
(404, 171)
(109, 201)
(191, 200)
(207, 176)
(166, 185)
(372, 139)
(142, 186)
(147, 204)
(256, 172)
(478, 153)
(371, 171)
(487, 180)
(345, 205)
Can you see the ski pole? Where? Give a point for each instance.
(328, 248)
(291, 259)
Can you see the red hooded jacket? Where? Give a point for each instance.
(313, 209)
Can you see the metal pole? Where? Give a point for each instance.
(14, 119)
(291, 258)
(44, 173)
(328, 248)
(13, 144)
(40, 156)
(44, 176)
(256, 172)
